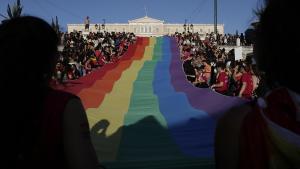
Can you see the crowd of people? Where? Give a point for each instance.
(232, 40)
(228, 39)
(208, 66)
(81, 54)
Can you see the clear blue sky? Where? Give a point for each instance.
(235, 14)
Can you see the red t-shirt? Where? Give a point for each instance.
(97, 53)
(247, 78)
(223, 77)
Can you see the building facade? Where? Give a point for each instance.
(147, 27)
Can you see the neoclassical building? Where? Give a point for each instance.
(147, 26)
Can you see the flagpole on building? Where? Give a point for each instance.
(146, 13)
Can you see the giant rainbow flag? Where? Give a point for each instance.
(143, 113)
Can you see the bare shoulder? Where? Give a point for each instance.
(235, 115)
(74, 103)
(227, 137)
(231, 121)
(74, 114)
(73, 108)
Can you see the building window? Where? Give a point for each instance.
(201, 30)
(157, 30)
(176, 29)
(146, 29)
(123, 29)
(134, 30)
(150, 29)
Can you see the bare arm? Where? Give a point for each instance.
(79, 151)
(218, 85)
(243, 89)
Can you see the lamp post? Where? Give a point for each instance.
(184, 26)
(103, 25)
(96, 27)
(192, 28)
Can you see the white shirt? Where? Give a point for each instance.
(238, 42)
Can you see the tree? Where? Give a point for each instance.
(3, 16)
(53, 24)
(14, 11)
(56, 25)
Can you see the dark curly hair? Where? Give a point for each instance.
(28, 47)
(277, 43)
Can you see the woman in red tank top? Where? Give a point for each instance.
(221, 85)
(246, 82)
